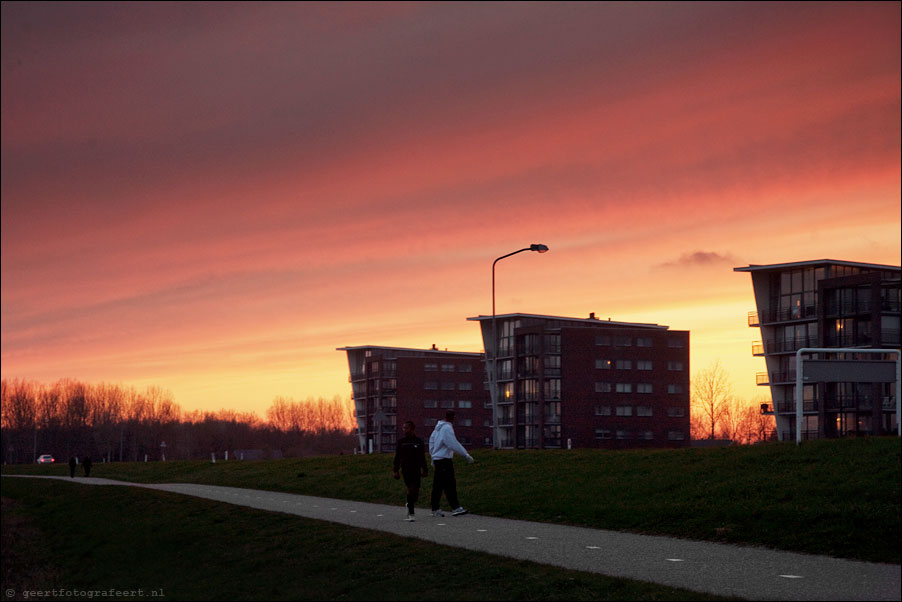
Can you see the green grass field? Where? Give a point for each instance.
(834, 497)
(70, 537)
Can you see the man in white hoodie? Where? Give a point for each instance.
(442, 446)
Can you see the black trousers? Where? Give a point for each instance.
(443, 481)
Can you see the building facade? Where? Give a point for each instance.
(391, 385)
(587, 382)
(817, 304)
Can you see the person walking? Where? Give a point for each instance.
(443, 444)
(72, 464)
(410, 458)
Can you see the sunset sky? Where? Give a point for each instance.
(212, 197)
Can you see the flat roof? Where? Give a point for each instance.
(593, 321)
(816, 262)
(430, 350)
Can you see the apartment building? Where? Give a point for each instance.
(391, 385)
(585, 382)
(817, 304)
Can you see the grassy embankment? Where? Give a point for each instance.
(834, 497)
(840, 498)
(80, 539)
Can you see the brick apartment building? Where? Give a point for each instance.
(819, 304)
(391, 385)
(581, 382)
(586, 382)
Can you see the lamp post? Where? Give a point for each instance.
(493, 375)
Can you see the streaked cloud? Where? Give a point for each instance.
(192, 191)
(700, 259)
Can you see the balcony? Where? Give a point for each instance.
(789, 314)
(789, 407)
(753, 319)
(839, 403)
(757, 348)
(788, 345)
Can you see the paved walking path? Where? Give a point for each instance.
(747, 572)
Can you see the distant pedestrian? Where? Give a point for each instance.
(443, 444)
(86, 462)
(72, 464)
(410, 458)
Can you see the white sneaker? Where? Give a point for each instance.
(460, 510)
(438, 513)
(410, 518)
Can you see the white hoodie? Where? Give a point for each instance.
(443, 444)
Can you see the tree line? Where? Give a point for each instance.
(110, 422)
(716, 413)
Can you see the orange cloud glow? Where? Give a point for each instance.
(213, 198)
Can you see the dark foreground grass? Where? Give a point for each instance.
(79, 539)
(835, 497)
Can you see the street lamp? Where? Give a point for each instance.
(493, 376)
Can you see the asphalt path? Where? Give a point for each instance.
(720, 569)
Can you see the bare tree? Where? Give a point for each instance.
(711, 394)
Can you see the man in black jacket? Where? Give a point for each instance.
(410, 457)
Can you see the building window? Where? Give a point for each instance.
(647, 435)
(644, 388)
(674, 389)
(602, 387)
(675, 435)
(675, 366)
(602, 410)
(448, 404)
(622, 434)
(464, 405)
(447, 367)
(675, 343)
(430, 403)
(604, 364)
(465, 422)
(430, 367)
(624, 387)
(644, 365)
(624, 364)
(602, 434)
(552, 389)
(429, 421)
(465, 368)
(644, 342)
(603, 340)
(624, 341)
(465, 387)
(644, 411)
(431, 385)
(676, 412)
(446, 386)
(624, 410)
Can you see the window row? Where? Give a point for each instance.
(606, 387)
(448, 367)
(672, 412)
(432, 385)
(606, 340)
(448, 404)
(606, 364)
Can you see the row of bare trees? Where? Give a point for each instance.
(113, 422)
(717, 413)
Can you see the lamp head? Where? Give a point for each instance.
(540, 248)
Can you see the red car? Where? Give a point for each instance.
(46, 459)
